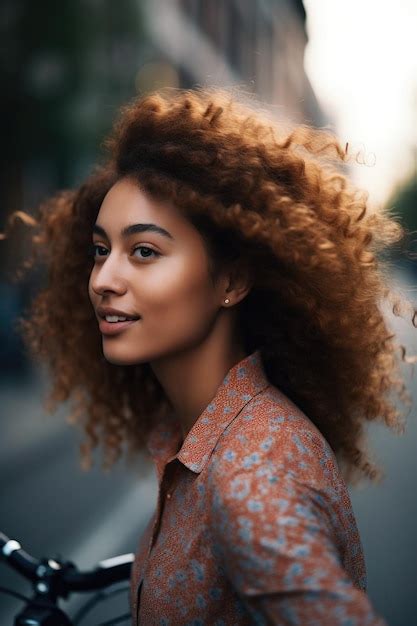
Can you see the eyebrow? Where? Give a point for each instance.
(133, 229)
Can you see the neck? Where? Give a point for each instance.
(191, 378)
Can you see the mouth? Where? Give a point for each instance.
(113, 328)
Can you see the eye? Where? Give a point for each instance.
(93, 248)
(147, 256)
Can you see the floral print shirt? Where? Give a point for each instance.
(253, 524)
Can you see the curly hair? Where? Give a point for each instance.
(270, 197)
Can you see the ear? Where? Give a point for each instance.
(239, 282)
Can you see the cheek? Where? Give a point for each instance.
(182, 295)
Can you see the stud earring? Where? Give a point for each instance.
(227, 301)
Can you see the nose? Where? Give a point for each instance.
(106, 277)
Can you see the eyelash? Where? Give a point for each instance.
(92, 251)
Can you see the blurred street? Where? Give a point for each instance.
(386, 513)
(51, 507)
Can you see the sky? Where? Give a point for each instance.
(361, 60)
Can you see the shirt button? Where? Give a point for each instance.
(168, 495)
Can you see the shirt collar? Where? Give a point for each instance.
(242, 382)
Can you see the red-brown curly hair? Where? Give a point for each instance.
(273, 198)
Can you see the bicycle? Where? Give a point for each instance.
(53, 579)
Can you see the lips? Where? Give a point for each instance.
(102, 311)
(114, 328)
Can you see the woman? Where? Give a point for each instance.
(231, 327)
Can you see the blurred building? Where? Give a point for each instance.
(257, 44)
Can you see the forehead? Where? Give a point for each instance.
(126, 203)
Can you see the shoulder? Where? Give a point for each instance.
(272, 435)
(272, 452)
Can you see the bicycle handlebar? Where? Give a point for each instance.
(18, 558)
(70, 578)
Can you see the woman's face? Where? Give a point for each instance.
(150, 264)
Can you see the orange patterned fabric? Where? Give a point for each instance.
(254, 523)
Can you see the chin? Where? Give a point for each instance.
(122, 359)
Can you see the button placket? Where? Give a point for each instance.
(170, 480)
(165, 493)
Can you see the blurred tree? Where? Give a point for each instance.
(67, 67)
(403, 202)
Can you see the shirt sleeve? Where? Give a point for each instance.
(278, 549)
